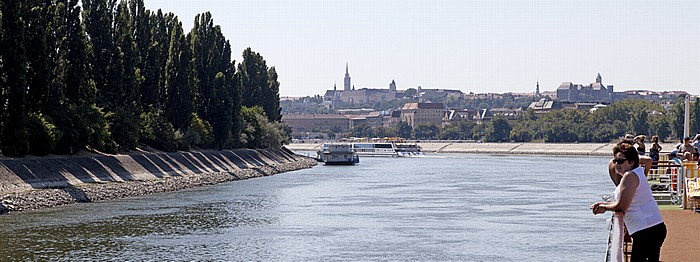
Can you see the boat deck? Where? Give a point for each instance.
(682, 242)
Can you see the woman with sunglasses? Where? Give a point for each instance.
(644, 161)
(633, 197)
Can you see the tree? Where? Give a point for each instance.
(179, 105)
(271, 102)
(214, 77)
(426, 131)
(403, 130)
(72, 90)
(97, 20)
(659, 125)
(695, 117)
(521, 132)
(124, 82)
(38, 16)
(498, 130)
(678, 117)
(567, 125)
(410, 93)
(638, 122)
(254, 78)
(13, 139)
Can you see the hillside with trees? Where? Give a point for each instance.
(113, 76)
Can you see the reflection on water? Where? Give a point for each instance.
(450, 208)
(99, 238)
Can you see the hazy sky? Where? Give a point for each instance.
(473, 46)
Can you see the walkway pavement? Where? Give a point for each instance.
(683, 239)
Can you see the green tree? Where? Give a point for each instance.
(498, 130)
(659, 125)
(695, 117)
(124, 83)
(678, 117)
(72, 91)
(157, 131)
(521, 132)
(567, 125)
(97, 21)
(410, 93)
(404, 130)
(179, 105)
(638, 122)
(254, 122)
(220, 116)
(271, 102)
(426, 131)
(13, 137)
(214, 77)
(254, 78)
(38, 16)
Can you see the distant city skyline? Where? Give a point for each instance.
(472, 46)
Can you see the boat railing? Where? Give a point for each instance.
(666, 181)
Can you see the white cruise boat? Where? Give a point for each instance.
(393, 149)
(337, 154)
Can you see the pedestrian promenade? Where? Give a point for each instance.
(682, 242)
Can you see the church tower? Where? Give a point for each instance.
(347, 78)
(392, 87)
(537, 90)
(599, 79)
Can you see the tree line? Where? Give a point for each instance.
(113, 75)
(566, 125)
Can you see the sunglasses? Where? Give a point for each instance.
(619, 160)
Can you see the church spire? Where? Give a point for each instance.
(537, 90)
(346, 87)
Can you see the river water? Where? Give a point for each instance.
(446, 207)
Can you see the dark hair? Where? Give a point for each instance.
(626, 141)
(629, 151)
(654, 137)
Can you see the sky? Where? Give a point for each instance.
(490, 46)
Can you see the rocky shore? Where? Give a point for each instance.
(30, 184)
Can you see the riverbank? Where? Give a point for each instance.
(587, 149)
(35, 183)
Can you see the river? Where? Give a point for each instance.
(444, 207)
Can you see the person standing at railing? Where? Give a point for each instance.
(644, 161)
(633, 197)
(655, 148)
(639, 143)
(687, 151)
(696, 144)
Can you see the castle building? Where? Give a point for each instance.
(351, 96)
(594, 92)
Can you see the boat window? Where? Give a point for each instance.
(363, 146)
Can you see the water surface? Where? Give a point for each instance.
(447, 207)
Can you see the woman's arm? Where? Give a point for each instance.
(628, 187)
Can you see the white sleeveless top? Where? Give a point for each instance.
(643, 212)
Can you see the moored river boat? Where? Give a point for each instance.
(337, 154)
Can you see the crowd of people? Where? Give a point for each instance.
(686, 150)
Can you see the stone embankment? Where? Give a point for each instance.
(34, 183)
(588, 149)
